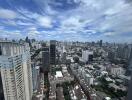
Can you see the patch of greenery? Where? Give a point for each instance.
(109, 90)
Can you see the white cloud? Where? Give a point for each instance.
(24, 23)
(11, 34)
(10, 22)
(109, 33)
(7, 14)
(111, 18)
(50, 11)
(119, 21)
(71, 22)
(45, 21)
(35, 18)
(105, 15)
(32, 32)
(45, 7)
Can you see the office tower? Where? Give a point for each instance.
(100, 43)
(52, 52)
(130, 62)
(16, 71)
(1, 88)
(87, 56)
(35, 75)
(45, 59)
(64, 57)
(0, 51)
(129, 94)
(111, 55)
(90, 57)
(126, 51)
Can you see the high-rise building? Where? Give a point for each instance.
(16, 75)
(1, 88)
(35, 75)
(100, 43)
(0, 51)
(111, 55)
(87, 56)
(45, 59)
(52, 52)
(129, 94)
(130, 63)
(127, 52)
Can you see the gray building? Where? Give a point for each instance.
(130, 62)
(45, 59)
(52, 52)
(129, 95)
(1, 88)
(35, 75)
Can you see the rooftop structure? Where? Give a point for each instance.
(58, 74)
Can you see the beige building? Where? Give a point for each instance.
(15, 64)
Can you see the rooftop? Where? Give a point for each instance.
(58, 74)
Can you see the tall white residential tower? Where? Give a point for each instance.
(16, 74)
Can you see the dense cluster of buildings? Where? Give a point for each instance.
(64, 70)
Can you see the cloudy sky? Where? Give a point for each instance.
(82, 20)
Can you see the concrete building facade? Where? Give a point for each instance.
(16, 71)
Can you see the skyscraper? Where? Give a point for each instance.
(130, 62)
(0, 51)
(87, 55)
(35, 75)
(1, 88)
(100, 43)
(52, 52)
(16, 72)
(129, 95)
(45, 59)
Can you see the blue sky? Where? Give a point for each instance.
(71, 20)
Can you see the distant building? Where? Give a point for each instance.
(53, 52)
(129, 95)
(88, 77)
(1, 88)
(63, 58)
(45, 59)
(87, 56)
(123, 51)
(36, 45)
(107, 98)
(127, 52)
(0, 51)
(111, 55)
(125, 79)
(35, 75)
(116, 70)
(16, 73)
(100, 43)
(58, 74)
(130, 62)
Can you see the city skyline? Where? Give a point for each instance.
(70, 20)
(55, 70)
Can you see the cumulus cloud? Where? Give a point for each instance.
(75, 19)
(11, 34)
(45, 21)
(7, 14)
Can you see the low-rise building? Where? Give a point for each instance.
(116, 70)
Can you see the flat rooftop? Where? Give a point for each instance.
(58, 74)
